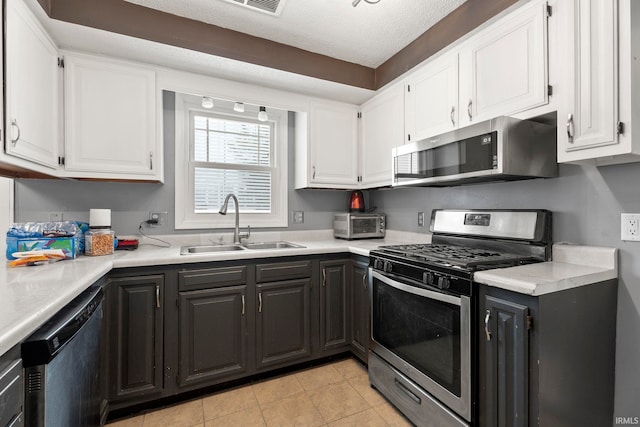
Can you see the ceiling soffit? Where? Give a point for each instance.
(129, 19)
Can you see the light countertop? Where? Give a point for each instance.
(31, 295)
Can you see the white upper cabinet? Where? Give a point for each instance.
(382, 129)
(503, 70)
(32, 100)
(431, 99)
(327, 146)
(110, 120)
(602, 98)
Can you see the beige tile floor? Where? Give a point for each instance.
(334, 395)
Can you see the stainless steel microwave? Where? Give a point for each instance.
(501, 149)
(358, 225)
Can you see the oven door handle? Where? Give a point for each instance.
(417, 291)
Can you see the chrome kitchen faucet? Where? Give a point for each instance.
(237, 235)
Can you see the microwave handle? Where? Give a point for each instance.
(449, 299)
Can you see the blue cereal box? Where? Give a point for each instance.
(63, 235)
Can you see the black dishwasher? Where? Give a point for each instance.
(62, 365)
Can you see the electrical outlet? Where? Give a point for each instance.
(420, 219)
(298, 217)
(161, 217)
(630, 227)
(55, 216)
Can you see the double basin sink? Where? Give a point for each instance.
(204, 249)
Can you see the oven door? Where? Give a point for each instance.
(426, 335)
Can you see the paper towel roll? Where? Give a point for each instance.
(99, 217)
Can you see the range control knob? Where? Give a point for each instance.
(443, 282)
(428, 278)
(387, 267)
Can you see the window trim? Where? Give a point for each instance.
(185, 217)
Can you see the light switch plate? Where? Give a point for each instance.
(630, 227)
(298, 217)
(420, 219)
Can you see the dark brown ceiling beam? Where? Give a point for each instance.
(464, 19)
(121, 17)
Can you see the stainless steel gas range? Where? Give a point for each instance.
(424, 318)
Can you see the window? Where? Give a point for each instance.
(219, 152)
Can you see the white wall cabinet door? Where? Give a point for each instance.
(333, 145)
(32, 101)
(110, 120)
(504, 69)
(588, 114)
(431, 99)
(382, 129)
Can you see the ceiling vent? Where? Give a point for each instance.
(272, 7)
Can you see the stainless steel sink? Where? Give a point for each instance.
(271, 245)
(203, 249)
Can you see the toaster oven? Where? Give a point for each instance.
(358, 225)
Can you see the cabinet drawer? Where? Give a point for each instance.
(212, 278)
(282, 271)
(11, 394)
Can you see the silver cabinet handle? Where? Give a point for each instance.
(324, 277)
(364, 281)
(150, 161)
(570, 128)
(469, 110)
(486, 325)
(157, 296)
(453, 110)
(260, 302)
(14, 122)
(314, 172)
(243, 304)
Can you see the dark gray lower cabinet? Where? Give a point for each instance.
(360, 317)
(507, 363)
(547, 360)
(283, 322)
(334, 305)
(135, 337)
(212, 334)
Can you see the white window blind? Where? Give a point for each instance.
(231, 156)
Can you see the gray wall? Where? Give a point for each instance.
(586, 203)
(130, 203)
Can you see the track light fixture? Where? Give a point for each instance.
(238, 107)
(262, 115)
(207, 102)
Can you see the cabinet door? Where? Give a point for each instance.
(283, 324)
(213, 334)
(504, 69)
(135, 322)
(506, 398)
(334, 303)
(432, 99)
(382, 127)
(110, 119)
(588, 114)
(333, 145)
(360, 310)
(31, 88)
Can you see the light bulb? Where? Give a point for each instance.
(238, 107)
(207, 102)
(262, 115)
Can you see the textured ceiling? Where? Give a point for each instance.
(368, 34)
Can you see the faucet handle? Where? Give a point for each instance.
(245, 235)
